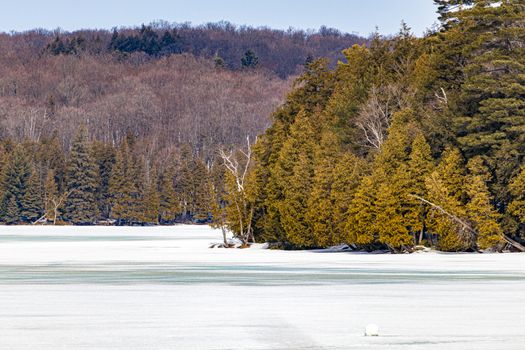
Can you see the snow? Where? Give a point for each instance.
(163, 288)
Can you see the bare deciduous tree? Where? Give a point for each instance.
(240, 217)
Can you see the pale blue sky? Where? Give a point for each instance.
(347, 15)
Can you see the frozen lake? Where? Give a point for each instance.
(162, 288)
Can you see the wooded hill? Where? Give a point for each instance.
(280, 52)
(409, 141)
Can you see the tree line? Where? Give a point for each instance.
(98, 183)
(410, 141)
(280, 52)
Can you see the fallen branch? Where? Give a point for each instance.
(465, 225)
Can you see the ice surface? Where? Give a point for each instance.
(163, 288)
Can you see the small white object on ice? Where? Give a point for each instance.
(372, 330)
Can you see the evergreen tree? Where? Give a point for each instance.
(451, 235)
(219, 61)
(348, 173)
(121, 186)
(191, 187)
(15, 185)
(390, 223)
(451, 170)
(420, 165)
(81, 179)
(489, 116)
(104, 157)
(295, 176)
(445, 188)
(250, 59)
(169, 205)
(391, 178)
(311, 93)
(50, 156)
(482, 215)
(32, 202)
(360, 228)
(517, 190)
(11, 211)
(321, 205)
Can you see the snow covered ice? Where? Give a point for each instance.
(163, 288)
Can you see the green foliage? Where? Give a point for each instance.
(33, 201)
(81, 182)
(104, 157)
(420, 165)
(482, 214)
(123, 186)
(295, 176)
(169, 205)
(390, 224)
(250, 59)
(451, 234)
(517, 189)
(15, 183)
(360, 228)
(321, 204)
(445, 188)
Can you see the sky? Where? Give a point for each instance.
(351, 16)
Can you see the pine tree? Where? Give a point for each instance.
(169, 205)
(81, 179)
(121, 186)
(104, 157)
(15, 184)
(32, 203)
(11, 211)
(489, 117)
(50, 155)
(250, 59)
(191, 186)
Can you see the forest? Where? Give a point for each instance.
(405, 142)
